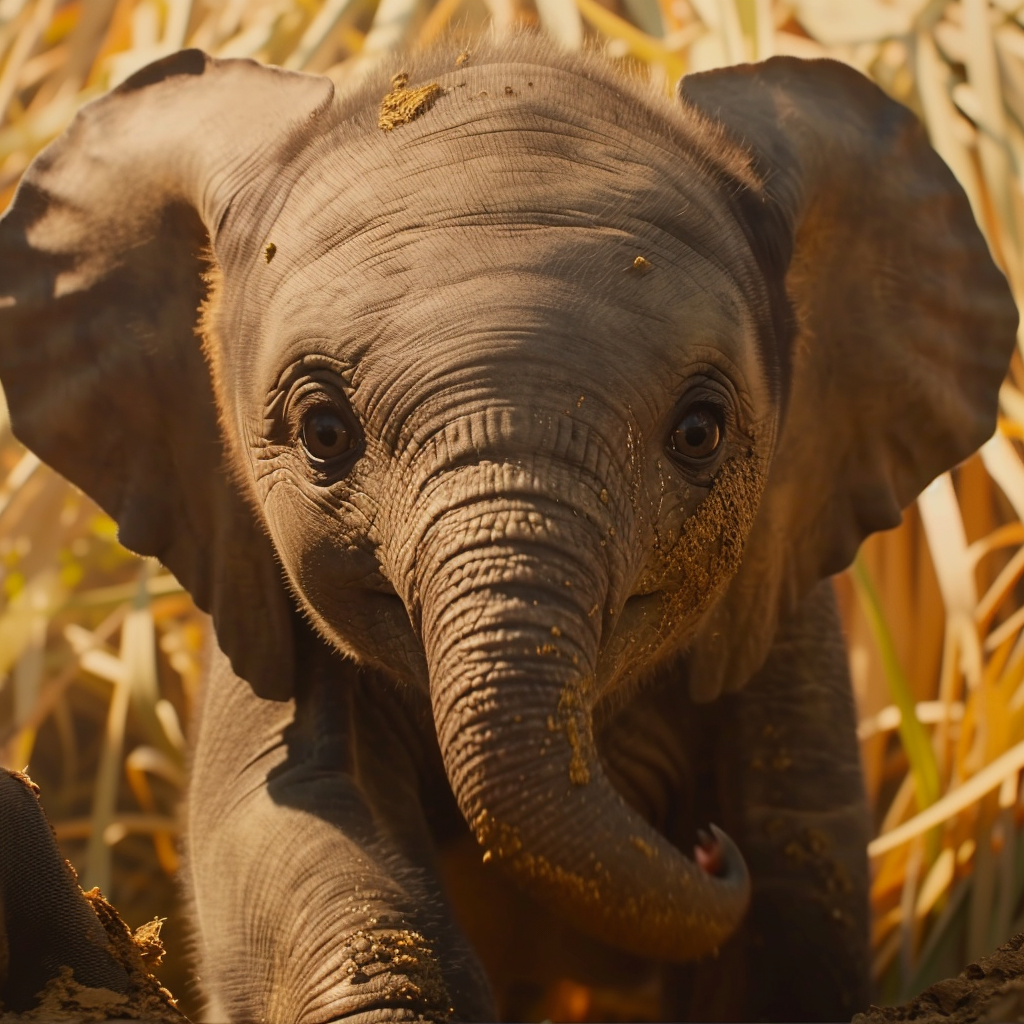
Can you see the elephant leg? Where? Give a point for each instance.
(789, 790)
(308, 856)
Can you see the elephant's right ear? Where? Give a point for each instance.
(903, 330)
(104, 270)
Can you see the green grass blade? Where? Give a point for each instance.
(913, 735)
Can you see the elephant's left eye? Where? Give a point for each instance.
(326, 434)
(698, 434)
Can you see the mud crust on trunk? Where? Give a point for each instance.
(990, 991)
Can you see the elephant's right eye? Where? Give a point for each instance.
(326, 435)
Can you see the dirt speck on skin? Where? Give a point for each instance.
(573, 719)
(497, 839)
(503, 842)
(644, 848)
(270, 251)
(990, 991)
(402, 104)
(641, 265)
(408, 960)
(810, 851)
(462, 59)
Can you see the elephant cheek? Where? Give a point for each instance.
(691, 570)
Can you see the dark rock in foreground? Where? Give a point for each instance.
(990, 991)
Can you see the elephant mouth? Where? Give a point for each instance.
(385, 602)
(640, 614)
(641, 603)
(373, 623)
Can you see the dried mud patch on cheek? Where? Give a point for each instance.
(402, 104)
(414, 976)
(711, 543)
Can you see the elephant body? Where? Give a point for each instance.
(775, 764)
(508, 419)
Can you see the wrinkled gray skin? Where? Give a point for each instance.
(568, 641)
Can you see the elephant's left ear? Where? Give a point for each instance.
(903, 330)
(103, 260)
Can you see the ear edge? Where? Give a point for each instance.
(191, 62)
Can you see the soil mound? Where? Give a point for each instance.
(990, 991)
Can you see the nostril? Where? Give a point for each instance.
(717, 855)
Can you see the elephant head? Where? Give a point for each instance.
(510, 378)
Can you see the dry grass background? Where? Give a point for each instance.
(99, 649)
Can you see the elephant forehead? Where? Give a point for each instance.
(551, 148)
(510, 335)
(529, 215)
(552, 305)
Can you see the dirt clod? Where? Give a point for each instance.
(65, 999)
(986, 992)
(402, 104)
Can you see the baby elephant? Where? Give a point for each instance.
(508, 419)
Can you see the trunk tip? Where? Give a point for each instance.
(717, 855)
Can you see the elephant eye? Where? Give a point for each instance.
(698, 435)
(325, 434)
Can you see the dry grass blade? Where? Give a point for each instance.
(965, 796)
(638, 44)
(915, 739)
(108, 775)
(561, 20)
(318, 32)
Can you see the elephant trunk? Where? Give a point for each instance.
(512, 633)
